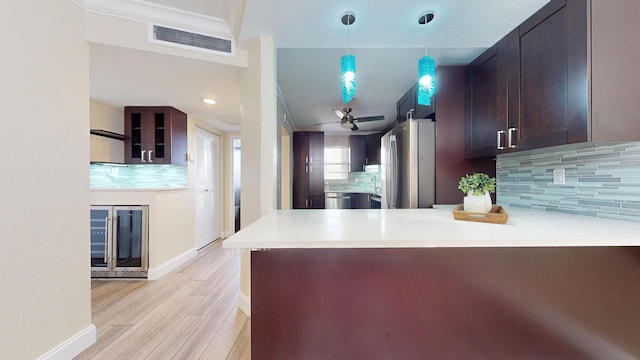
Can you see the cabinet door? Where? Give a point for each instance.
(136, 139)
(357, 153)
(316, 148)
(155, 135)
(486, 101)
(317, 201)
(316, 181)
(406, 104)
(372, 151)
(158, 128)
(173, 145)
(100, 237)
(553, 76)
(129, 238)
(300, 186)
(300, 147)
(360, 201)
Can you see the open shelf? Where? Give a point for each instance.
(107, 134)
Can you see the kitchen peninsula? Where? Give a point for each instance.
(415, 284)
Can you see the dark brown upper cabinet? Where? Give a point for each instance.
(155, 135)
(552, 77)
(530, 90)
(408, 107)
(363, 150)
(372, 149)
(308, 170)
(357, 152)
(486, 101)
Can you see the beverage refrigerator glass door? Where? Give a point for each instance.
(119, 241)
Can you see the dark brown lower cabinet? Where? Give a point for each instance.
(360, 201)
(398, 303)
(308, 187)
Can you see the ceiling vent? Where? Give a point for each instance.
(190, 40)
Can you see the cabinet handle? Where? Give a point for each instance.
(306, 159)
(310, 202)
(306, 202)
(310, 159)
(149, 153)
(306, 169)
(142, 155)
(499, 140)
(510, 133)
(107, 220)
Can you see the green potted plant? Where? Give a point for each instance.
(478, 188)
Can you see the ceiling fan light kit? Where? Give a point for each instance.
(348, 63)
(426, 67)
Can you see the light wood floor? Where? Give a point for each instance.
(191, 313)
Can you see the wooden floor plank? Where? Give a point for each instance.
(179, 316)
(212, 331)
(166, 349)
(242, 348)
(223, 343)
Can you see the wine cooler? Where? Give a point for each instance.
(119, 241)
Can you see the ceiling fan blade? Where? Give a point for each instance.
(328, 122)
(369, 118)
(355, 127)
(338, 113)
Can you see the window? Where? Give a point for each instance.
(336, 163)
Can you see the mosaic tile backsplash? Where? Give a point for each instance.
(116, 176)
(601, 181)
(367, 181)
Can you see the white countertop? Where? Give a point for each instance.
(427, 228)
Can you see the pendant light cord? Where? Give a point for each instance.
(425, 34)
(349, 36)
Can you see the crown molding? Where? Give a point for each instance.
(143, 11)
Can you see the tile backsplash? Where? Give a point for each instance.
(117, 176)
(601, 181)
(367, 181)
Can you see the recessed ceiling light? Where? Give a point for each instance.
(209, 101)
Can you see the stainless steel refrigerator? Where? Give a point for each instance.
(408, 165)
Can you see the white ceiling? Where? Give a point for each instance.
(386, 40)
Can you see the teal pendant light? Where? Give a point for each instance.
(426, 68)
(348, 63)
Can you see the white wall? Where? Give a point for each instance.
(259, 150)
(44, 189)
(104, 117)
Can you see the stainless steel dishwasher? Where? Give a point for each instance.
(336, 200)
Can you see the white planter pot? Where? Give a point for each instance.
(477, 203)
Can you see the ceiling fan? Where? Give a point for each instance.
(347, 120)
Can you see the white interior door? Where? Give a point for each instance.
(207, 188)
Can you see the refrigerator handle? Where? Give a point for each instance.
(114, 242)
(387, 173)
(393, 179)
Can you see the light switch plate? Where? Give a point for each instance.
(558, 176)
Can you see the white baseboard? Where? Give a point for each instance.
(244, 303)
(162, 270)
(73, 346)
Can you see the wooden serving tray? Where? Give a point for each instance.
(496, 216)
